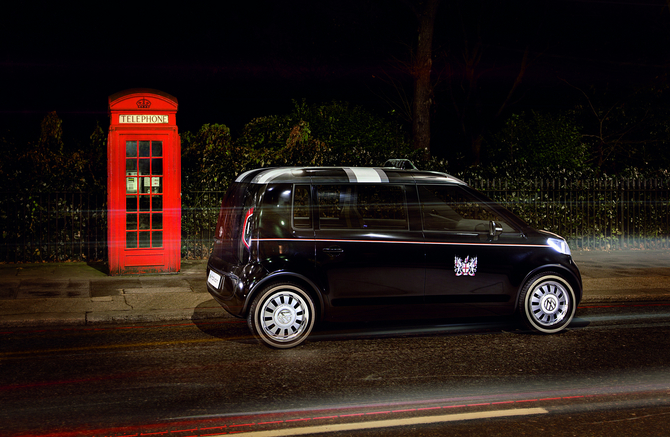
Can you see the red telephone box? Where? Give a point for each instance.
(143, 183)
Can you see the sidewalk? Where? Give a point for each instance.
(83, 294)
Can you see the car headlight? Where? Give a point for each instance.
(559, 245)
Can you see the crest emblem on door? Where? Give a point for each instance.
(465, 267)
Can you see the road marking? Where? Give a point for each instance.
(391, 423)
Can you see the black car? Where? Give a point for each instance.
(297, 245)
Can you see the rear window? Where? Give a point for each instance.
(275, 215)
(236, 209)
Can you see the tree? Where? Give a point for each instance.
(627, 129)
(210, 159)
(332, 133)
(422, 65)
(541, 144)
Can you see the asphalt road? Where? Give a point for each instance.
(609, 374)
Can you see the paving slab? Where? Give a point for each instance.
(101, 287)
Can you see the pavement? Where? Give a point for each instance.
(80, 293)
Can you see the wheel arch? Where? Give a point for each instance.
(309, 286)
(566, 273)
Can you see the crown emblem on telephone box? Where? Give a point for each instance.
(143, 103)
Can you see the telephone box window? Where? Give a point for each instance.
(156, 148)
(145, 240)
(144, 194)
(131, 149)
(157, 239)
(144, 149)
(131, 240)
(131, 222)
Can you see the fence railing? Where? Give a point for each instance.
(41, 227)
(57, 227)
(591, 214)
(200, 211)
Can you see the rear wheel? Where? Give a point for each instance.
(547, 303)
(282, 315)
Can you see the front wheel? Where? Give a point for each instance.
(282, 315)
(547, 303)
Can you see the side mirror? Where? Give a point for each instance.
(495, 229)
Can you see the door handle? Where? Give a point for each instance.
(333, 250)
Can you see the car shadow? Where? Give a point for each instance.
(213, 321)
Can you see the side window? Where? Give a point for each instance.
(450, 208)
(276, 213)
(382, 206)
(333, 202)
(302, 218)
(359, 206)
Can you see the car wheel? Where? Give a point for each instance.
(547, 303)
(282, 315)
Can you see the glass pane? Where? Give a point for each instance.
(156, 184)
(145, 221)
(131, 203)
(381, 206)
(131, 240)
(131, 185)
(131, 167)
(144, 149)
(157, 239)
(131, 222)
(334, 210)
(157, 166)
(156, 148)
(156, 203)
(301, 215)
(144, 167)
(145, 185)
(131, 148)
(145, 201)
(157, 221)
(454, 209)
(145, 238)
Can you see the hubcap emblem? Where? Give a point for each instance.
(550, 304)
(284, 316)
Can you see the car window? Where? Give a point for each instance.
(275, 217)
(362, 206)
(302, 218)
(450, 208)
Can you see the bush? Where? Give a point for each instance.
(323, 134)
(546, 145)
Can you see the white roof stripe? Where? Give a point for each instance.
(267, 176)
(364, 174)
(241, 177)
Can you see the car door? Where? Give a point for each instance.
(367, 255)
(470, 250)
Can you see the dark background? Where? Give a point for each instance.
(228, 62)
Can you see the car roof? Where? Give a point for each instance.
(313, 175)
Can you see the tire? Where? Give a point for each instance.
(547, 303)
(282, 315)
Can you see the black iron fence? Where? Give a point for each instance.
(39, 227)
(59, 227)
(591, 214)
(200, 211)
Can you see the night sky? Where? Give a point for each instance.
(232, 61)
